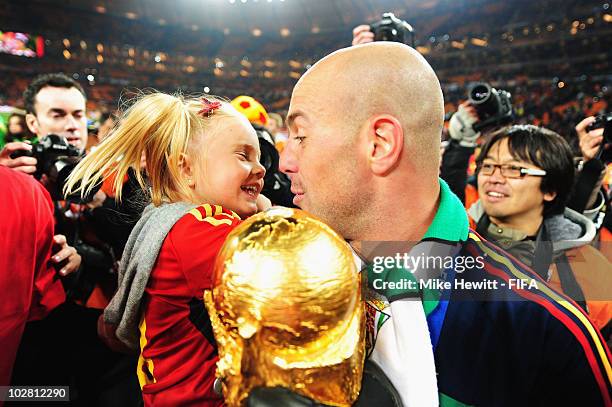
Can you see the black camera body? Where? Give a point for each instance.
(494, 106)
(391, 28)
(56, 158)
(603, 121)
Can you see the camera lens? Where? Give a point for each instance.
(480, 93)
(484, 99)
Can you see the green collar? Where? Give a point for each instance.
(451, 220)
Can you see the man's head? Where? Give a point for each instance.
(55, 104)
(364, 127)
(535, 180)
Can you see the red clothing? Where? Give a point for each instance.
(29, 285)
(178, 354)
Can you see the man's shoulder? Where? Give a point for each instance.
(523, 296)
(493, 260)
(518, 285)
(528, 305)
(532, 331)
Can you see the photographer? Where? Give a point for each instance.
(55, 106)
(460, 148)
(486, 110)
(589, 196)
(543, 238)
(389, 28)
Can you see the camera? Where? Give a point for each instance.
(55, 158)
(391, 28)
(494, 106)
(605, 121)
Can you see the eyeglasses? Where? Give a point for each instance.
(509, 170)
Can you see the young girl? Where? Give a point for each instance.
(202, 161)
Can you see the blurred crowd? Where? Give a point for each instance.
(555, 104)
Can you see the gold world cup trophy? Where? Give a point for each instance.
(286, 310)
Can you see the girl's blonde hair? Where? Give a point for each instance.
(162, 127)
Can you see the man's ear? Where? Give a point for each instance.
(187, 169)
(32, 123)
(549, 196)
(385, 143)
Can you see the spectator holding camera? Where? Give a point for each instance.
(552, 238)
(461, 147)
(590, 195)
(590, 139)
(65, 345)
(37, 218)
(525, 213)
(55, 104)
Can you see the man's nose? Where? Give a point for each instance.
(497, 176)
(288, 162)
(72, 124)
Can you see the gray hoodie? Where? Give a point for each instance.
(566, 231)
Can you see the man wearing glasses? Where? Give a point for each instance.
(525, 175)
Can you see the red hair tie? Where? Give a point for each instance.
(209, 107)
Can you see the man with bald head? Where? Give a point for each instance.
(363, 155)
(356, 106)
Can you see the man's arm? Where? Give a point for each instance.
(456, 158)
(454, 168)
(586, 196)
(65, 256)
